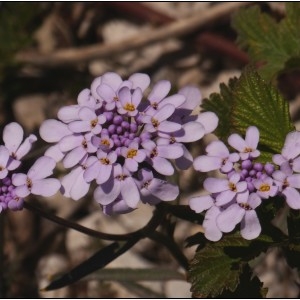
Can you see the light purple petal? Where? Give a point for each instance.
(250, 226)
(193, 131)
(217, 148)
(212, 232)
(175, 100)
(107, 192)
(137, 97)
(163, 166)
(68, 180)
(164, 113)
(112, 79)
(19, 179)
(170, 151)
(42, 168)
(53, 131)
(124, 95)
(26, 146)
(224, 197)
(205, 163)
(74, 157)
(70, 142)
(292, 197)
(278, 159)
(296, 164)
(294, 181)
(159, 91)
(4, 156)
(252, 137)
(201, 203)
(140, 80)
(87, 114)
(80, 187)
(131, 164)
(167, 126)
(216, 185)
(163, 190)
(130, 192)
(237, 142)
(80, 126)
(69, 113)
(117, 207)
(230, 217)
(13, 136)
(45, 187)
(185, 161)
(22, 191)
(291, 147)
(55, 153)
(106, 92)
(209, 120)
(104, 173)
(192, 95)
(254, 200)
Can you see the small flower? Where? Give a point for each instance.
(247, 147)
(227, 189)
(288, 185)
(120, 184)
(13, 141)
(154, 190)
(158, 155)
(242, 211)
(265, 187)
(35, 181)
(133, 156)
(289, 158)
(218, 157)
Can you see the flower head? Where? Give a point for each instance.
(117, 134)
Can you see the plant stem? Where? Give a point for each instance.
(171, 246)
(153, 223)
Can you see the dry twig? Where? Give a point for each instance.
(86, 54)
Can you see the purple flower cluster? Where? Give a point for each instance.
(126, 141)
(234, 197)
(12, 185)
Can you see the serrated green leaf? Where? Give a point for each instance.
(250, 101)
(218, 266)
(268, 42)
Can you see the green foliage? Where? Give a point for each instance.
(218, 266)
(275, 45)
(17, 21)
(250, 101)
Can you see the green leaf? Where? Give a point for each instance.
(250, 101)
(218, 266)
(268, 42)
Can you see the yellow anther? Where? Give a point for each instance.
(131, 153)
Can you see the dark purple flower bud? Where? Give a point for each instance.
(250, 187)
(112, 128)
(108, 115)
(133, 127)
(125, 125)
(117, 120)
(252, 173)
(258, 166)
(119, 129)
(247, 164)
(269, 168)
(258, 174)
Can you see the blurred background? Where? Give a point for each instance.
(49, 52)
